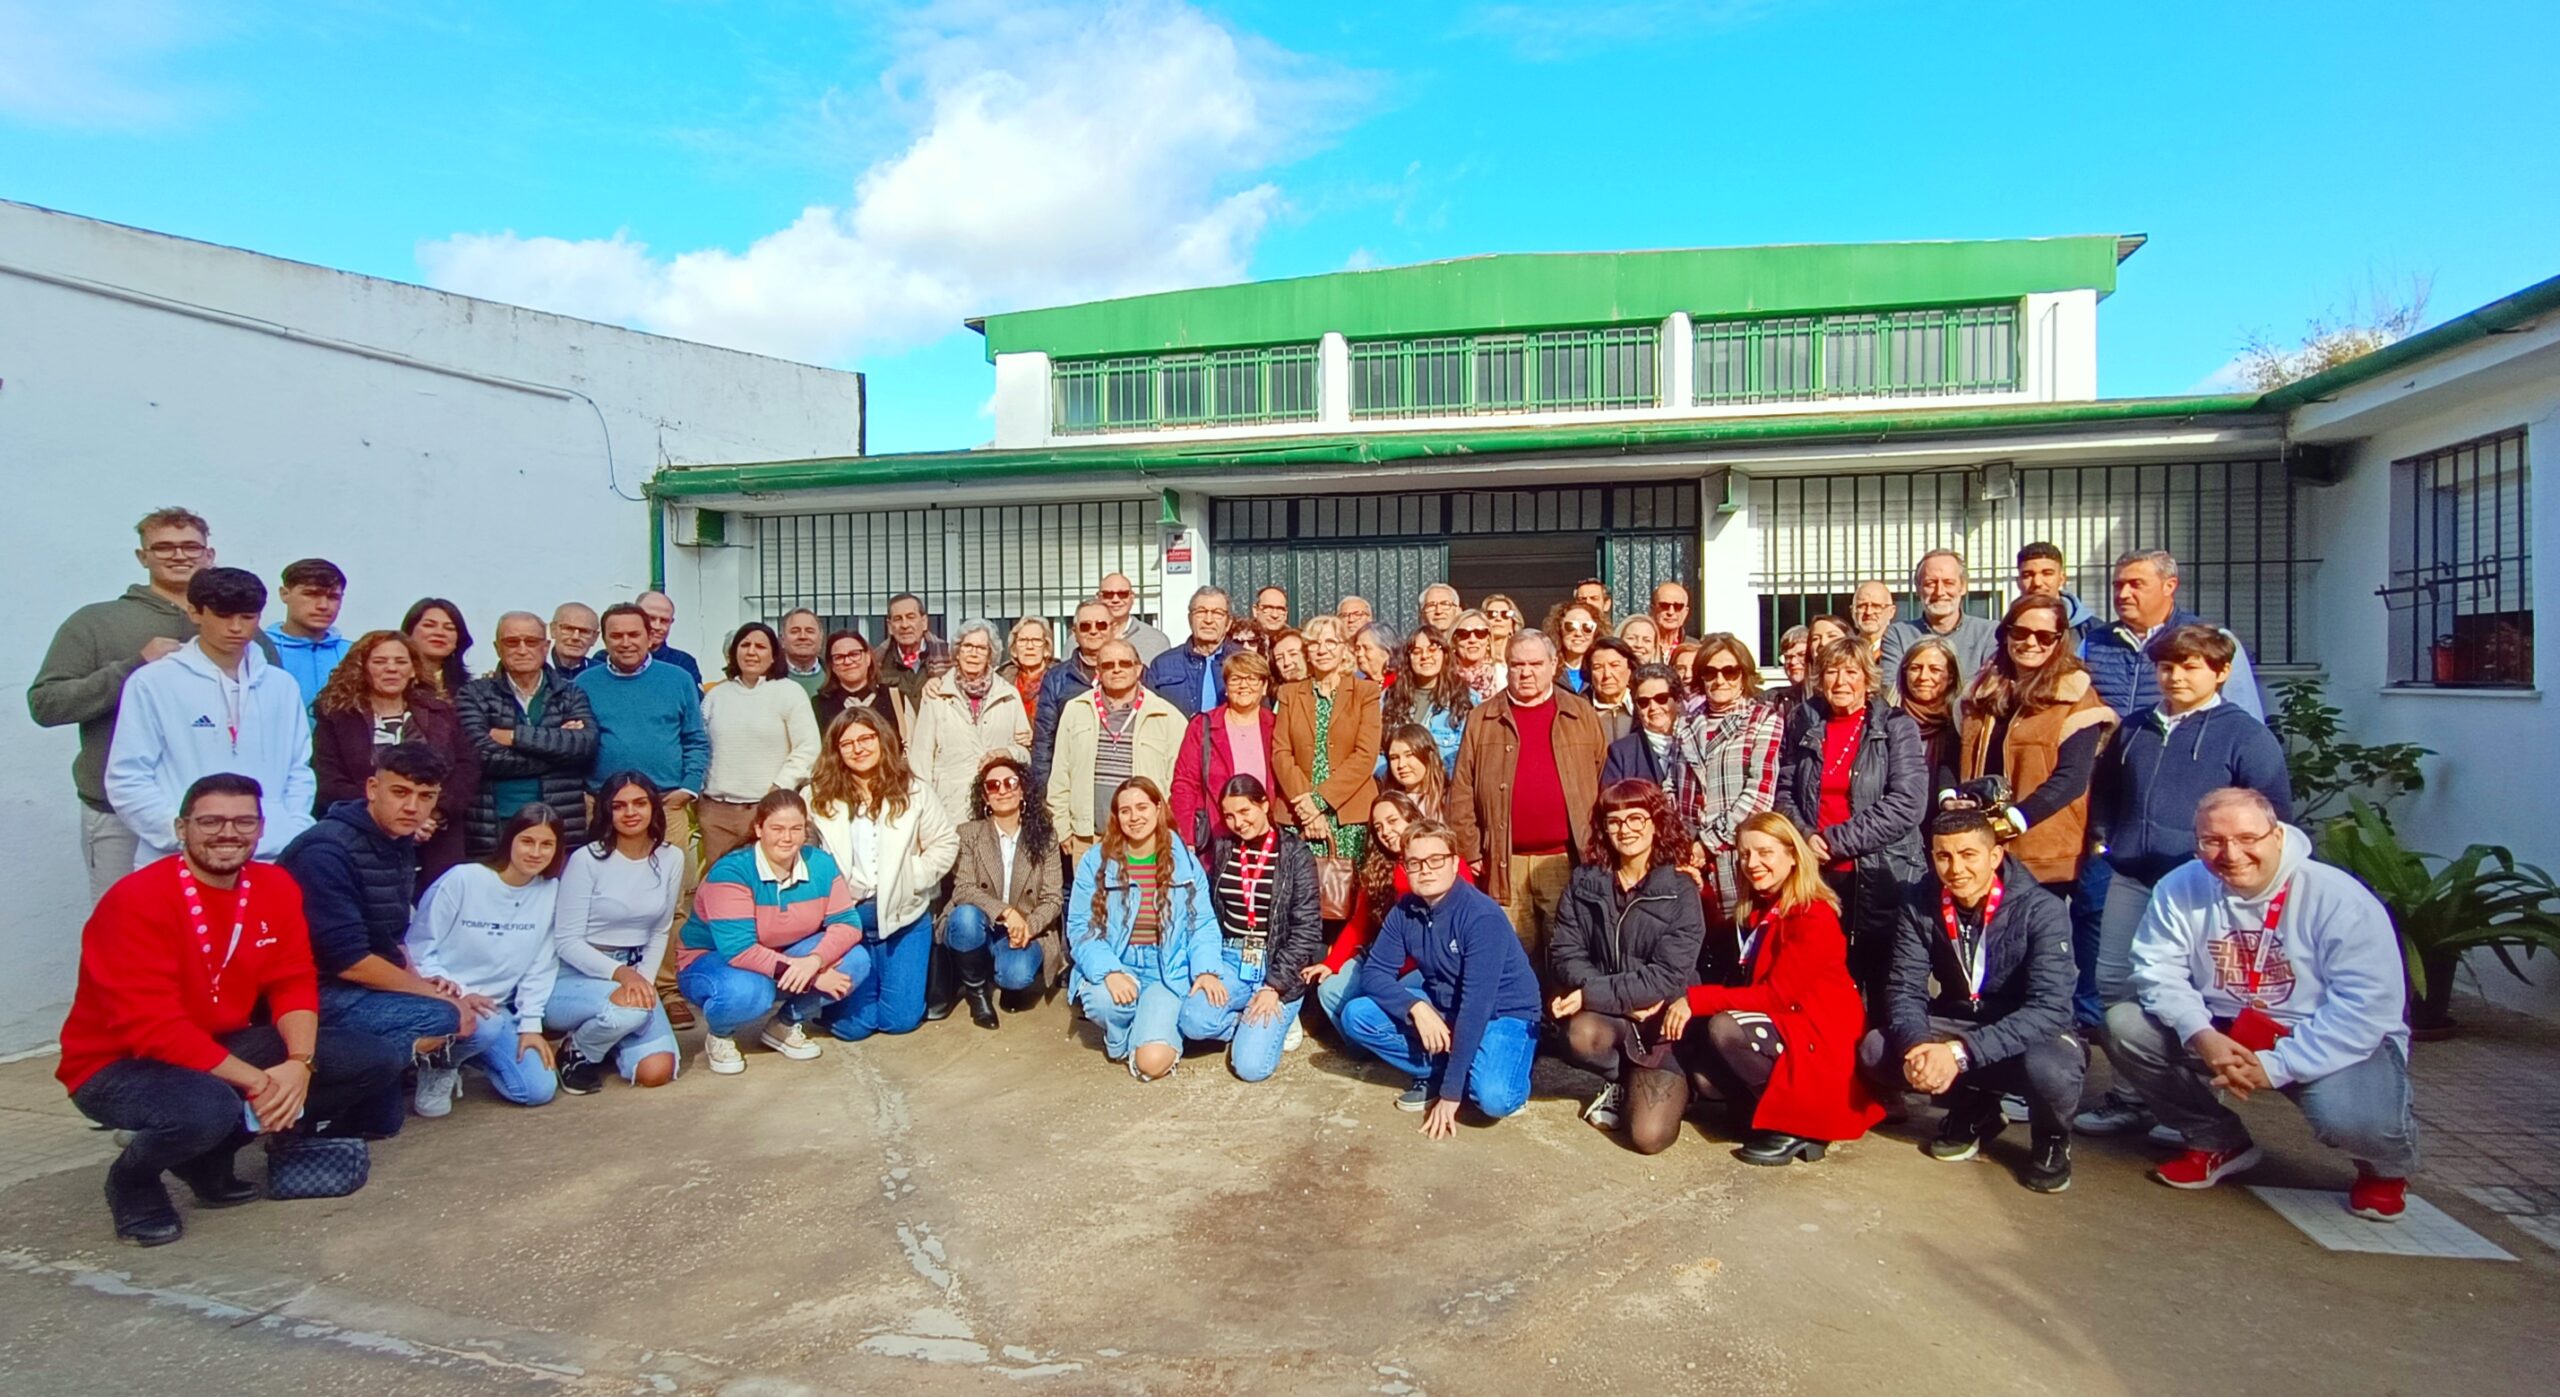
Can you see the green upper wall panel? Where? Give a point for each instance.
(1539, 289)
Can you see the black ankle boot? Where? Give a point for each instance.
(982, 1004)
(1770, 1148)
(1017, 1001)
(140, 1205)
(941, 983)
(211, 1176)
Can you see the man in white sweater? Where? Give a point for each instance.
(2257, 969)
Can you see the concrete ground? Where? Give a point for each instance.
(1005, 1212)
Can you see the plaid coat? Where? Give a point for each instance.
(1729, 773)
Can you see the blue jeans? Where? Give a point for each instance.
(1155, 1016)
(1253, 1050)
(603, 1031)
(398, 1021)
(1343, 986)
(1497, 1081)
(891, 998)
(966, 929)
(731, 998)
(2363, 1110)
(2088, 912)
(495, 1046)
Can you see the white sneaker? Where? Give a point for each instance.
(721, 1055)
(1603, 1110)
(790, 1040)
(1296, 1039)
(2168, 1135)
(437, 1087)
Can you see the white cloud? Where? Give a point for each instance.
(2231, 377)
(1052, 155)
(94, 63)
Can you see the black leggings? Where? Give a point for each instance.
(1731, 1056)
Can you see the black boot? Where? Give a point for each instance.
(140, 1205)
(941, 984)
(210, 1175)
(1018, 1001)
(1770, 1148)
(976, 969)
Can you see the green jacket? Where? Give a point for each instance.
(85, 668)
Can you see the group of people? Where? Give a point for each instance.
(1947, 856)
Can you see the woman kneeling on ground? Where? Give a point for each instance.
(886, 831)
(1627, 939)
(1777, 1032)
(1382, 882)
(1142, 932)
(484, 929)
(1265, 886)
(773, 930)
(1005, 894)
(617, 899)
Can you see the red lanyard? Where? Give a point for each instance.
(2266, 943)
(1250, 874)
(1955, 937)
(204, 931)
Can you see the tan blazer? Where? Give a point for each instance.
(1355, 739)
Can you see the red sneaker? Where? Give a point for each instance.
(2377, 1198)
(2205, 1168)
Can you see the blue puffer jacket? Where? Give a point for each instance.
(2142, 803)
(1188, 943)
(357, 884)
(2128, 682)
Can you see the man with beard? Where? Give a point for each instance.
(1939, 581)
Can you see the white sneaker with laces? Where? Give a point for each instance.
(437, 1087)
(1296, 1039)
(721, 1055)
(1603, 1110)
(790, 1040)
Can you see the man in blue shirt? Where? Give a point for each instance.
(307, 642)
(660, 610)
(649, 720)
(1189, 675)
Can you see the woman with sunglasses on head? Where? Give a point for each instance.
(1231, 740)
(764, 737)
(1269, 907)
(853, 681)
(1006, 897)
(886, 830)
(1574, 628)
(1627, 937)
(609, 929)
(1732, 750)
(2033, 719)
(1425, 689)
(1142, 932)
(1479, 657)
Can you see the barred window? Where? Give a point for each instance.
(1911, 353)
(1230, 387)
(2460, 596)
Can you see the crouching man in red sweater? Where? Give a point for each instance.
(164, 1041)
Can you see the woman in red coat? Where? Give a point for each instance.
(1231, 740)
(1779, 1036)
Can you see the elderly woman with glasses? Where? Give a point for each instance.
(1228, 741)
(1324, 750)
(2033, 719)
(1855, 775)
(964, 715)
(1731, 752)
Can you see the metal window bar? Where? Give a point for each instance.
(1921, 353)
(2230, 524)
(1607, 367)
(2460, 594)
(1230, 387)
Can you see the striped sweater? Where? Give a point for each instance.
(747, 914)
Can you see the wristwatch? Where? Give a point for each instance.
(303, 1058)
(1964, 1060)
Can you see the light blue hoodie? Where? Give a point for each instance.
(308, 661)
(175, 725)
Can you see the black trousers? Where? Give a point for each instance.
(179, 1115)
(2048, 1074)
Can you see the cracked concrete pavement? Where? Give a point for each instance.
(1005, 1212)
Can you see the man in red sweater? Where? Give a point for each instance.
(1521, 795)
(174, 964)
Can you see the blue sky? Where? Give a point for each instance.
(843, 182)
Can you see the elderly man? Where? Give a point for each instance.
(1940, 582)
(2118, 655)
(1871, 610)
(1356, 615)
(804, 642)
(913, 652)
(1526, 781)
(1115, 731)
(661, 611)
(573, 639)
(1063, 681)
(1190, 675)
(534, 735)
(1670, 612)
(1121, 595)
(2257, 969)
(1438, 607)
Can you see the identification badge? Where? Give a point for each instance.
(1252, 959)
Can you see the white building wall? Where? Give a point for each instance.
(427, 443)
(1022, 399)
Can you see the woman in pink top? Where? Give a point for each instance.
(1233, 739)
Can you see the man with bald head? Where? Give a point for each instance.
(535, 736)
(1871, 610)
(1670, 612)
(661, 611)
(1121, 595)
(573, 639)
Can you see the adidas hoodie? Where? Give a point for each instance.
(175, 725)
(2332, 975)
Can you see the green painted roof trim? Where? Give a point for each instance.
(1626, 438)
(1541, 289)
(2497, 317)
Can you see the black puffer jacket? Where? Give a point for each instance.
(1296, 924)
(1888, 801)
(2027, 973)
(357, 883)
(1627, 960)
(547, 750)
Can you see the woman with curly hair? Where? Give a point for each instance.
(1142, 929)
(1626, 941)
(885, 829)
(1006, 897)
(1425, 687)
(444, 638)
(380, 695)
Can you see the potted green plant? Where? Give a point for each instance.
(2482, 899)
(2327, 769)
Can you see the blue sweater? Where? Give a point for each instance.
(2149, 780)
(1473, 968)
(651, 723)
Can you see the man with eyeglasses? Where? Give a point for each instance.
(1190, 676)
(1470, 1031)
(1270, 618)
(2255, 969)
(1064, 681)
(81, 681)
(1670, 612)
(1438, 607)
(1356, 615)
(573, 639)
(535, 737)
(195, 1025)
(1939, 580)
(1521, 795)
(1871, 609)
(1106, 735)
(1121, 596)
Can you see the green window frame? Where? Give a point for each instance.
(1609, 366)
(1226, 387)
(1860, 354)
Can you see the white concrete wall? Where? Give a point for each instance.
(311, 412)
(1022, 403)
(2061, 330)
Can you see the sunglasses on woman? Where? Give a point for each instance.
(2041, 639)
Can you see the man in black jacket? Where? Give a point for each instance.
(535, 736)
(1999, 948)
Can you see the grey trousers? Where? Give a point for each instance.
(2363, 1110)
(108, 846)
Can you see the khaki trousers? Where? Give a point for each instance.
(1537, 889)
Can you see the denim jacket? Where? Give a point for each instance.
(1188, 942)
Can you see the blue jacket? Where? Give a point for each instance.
(2142, 802)
(2127, 682)
(1445, 727)
(1064, 680)
(650, 722)
(1474, 970)
(308, 661)
(357, 883)
(1176, 675)
(668, 654)
(1188, 942)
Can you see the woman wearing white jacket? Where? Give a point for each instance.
(965, 715)
(887, 831)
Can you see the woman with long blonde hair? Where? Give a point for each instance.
(888, 832)
(1775, 1030)
(1142, 928)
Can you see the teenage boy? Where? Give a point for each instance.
(307, 642)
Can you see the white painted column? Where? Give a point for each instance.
(1679, 361)
(1022, 400)
(2061, 350)
(1333, 380)
(1728, 554)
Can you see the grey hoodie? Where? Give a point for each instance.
(84, 672)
